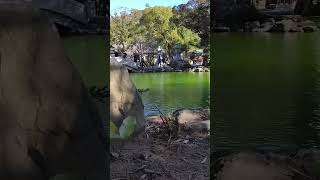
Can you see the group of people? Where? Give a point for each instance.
(150, 60)
(203, 59)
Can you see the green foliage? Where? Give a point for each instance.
(194, 15)
(189, 38)
(114, 131)
(119, 33)
(150, 28)
(157, 21)
(126, 129)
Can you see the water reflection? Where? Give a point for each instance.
(170, 91)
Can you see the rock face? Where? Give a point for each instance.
(180, 65)
(251, 16)
(193, 119)
(268, 165)
(124, 98)
(251, 167)
(285, 24)
(49, 124)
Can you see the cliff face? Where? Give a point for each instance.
(234, 14)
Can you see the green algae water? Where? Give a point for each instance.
(171, 91)
(266, 90)
(88, 53)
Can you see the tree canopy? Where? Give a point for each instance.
(161, 26)
(194, 15)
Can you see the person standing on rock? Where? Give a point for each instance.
(159, 60)
(159, 57)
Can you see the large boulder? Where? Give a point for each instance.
(251, 25)
(125, 100)
(286, 25)
(193, 119)
(49, 124)
(266, 26)
(267, 164)
(309, 26)
(251, 166)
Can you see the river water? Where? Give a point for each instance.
(266, 87)
(170, 91)
(89, 54)
(266, 90)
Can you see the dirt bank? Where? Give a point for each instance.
(161, 154)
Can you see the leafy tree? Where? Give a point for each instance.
(119, 33)
(150, 28)
(124, 28)
(157, 21)
(194, 15)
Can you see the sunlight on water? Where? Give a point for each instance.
(170, 91)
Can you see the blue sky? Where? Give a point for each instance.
(140, 4)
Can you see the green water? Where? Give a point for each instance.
(266, 90)
(88, 54)
(170, 91)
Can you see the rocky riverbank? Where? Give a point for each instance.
(178, 66)
(257, 165)
(289, 23)
(168, 69)
(171, 147)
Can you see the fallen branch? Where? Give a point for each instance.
(162, 116)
